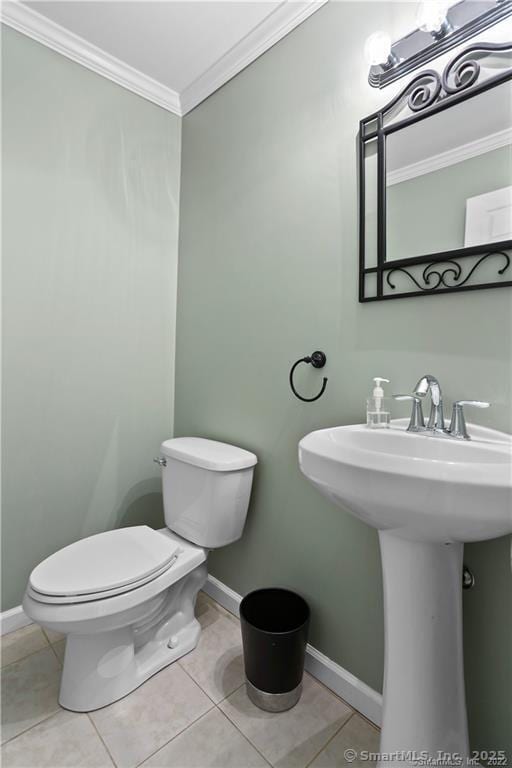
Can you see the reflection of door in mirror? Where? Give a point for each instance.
(449, 178)
(489, 217)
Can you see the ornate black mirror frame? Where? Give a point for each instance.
(464, 77)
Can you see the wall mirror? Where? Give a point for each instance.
(435, 181)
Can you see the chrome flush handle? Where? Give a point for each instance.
(417, 422)
(160, 461)
(457, 426)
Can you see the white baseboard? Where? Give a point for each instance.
(348, 687)
(345, 685)
(13, 619)
(227, 597)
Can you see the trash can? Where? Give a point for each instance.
(275, 625)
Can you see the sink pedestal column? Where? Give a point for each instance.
(424, 705)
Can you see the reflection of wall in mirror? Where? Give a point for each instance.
(489, 217)
(427, 214)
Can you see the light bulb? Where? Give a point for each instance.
(432, 15)
(377, 48)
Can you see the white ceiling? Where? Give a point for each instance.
(180, 51)
(172, 42)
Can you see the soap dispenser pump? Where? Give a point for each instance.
(378, 410)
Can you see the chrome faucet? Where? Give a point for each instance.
(435, 425)
(430, 384)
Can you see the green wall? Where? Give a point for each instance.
(267, 274)
(440, 197)
(90, 226)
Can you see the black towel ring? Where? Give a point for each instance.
(317, 360)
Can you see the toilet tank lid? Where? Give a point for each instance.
(208, 454)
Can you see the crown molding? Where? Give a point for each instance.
(288, 15)
(451, 157)
(43, 30)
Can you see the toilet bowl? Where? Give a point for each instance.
(125, 598)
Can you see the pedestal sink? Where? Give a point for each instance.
(426, 495)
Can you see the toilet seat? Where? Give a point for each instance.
(103, 565)
(102, 610)
(67, 599)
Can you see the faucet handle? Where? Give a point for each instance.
(457, 426)
(474, 403)
(417, 421)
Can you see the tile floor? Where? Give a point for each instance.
(193, 714)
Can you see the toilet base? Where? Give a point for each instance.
(103, 667)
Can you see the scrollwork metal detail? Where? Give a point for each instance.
(436, 274)
(466, 74)
(463, 70)
(425, 91)
(420, 93)
(461, 73)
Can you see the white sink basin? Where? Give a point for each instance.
(426, 495)
(419, 487)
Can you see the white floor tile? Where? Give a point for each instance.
(59, 648)
(30, 689)
(357, 735)
(136, 726)
(289, 739)
(53, 637)
(23, 642)
(212, 742)
(170, 722)
(207, 610)
(217, 662)
(66, 740)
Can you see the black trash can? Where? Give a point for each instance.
(275, 624)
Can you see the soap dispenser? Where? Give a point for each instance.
(378, 407)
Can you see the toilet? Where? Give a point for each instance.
(125, 598)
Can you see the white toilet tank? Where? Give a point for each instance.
(206, 487)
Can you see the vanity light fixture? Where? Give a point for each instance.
(441, 26)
